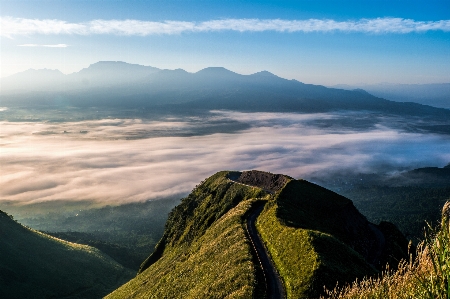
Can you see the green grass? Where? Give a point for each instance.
(307, 260)
(36, 265)
(218, 264)
(204, 252)
(303, 228)
(206, 204)
(312, 234)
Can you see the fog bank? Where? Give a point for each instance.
(98, 161)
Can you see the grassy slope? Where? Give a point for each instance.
(35, 265)
(204, 252)
(126, 232)
(216, 265)
(307, 259)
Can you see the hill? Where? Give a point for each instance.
(314, 236)
(36, 265)
(125, 232)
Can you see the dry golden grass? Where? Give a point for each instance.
(426, 276)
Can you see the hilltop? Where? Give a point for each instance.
(314, 236)
(36, 265)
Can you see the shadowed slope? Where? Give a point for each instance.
(317, 237)
(35, 265)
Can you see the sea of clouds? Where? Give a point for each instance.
(97, 160)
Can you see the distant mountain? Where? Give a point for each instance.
(101, 74)
(437, 95)
(314, 236)
(35, 265)
(109, 73)
(33, 80)
(112, 85)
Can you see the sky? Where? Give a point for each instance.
(320, 42)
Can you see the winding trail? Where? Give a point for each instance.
(274, 285)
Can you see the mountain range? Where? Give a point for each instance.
(109, 85)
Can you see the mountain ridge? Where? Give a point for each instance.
(150, 90)
(321, 254)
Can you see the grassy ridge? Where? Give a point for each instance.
(307, 260)
(204, 252)
(310, 233)
(216, 265)
(36, 265)
(206, 204)
(316, 238)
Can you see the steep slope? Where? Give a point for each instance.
(315, 238)
(204, 252)
(35, 265)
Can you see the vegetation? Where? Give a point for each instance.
(427, 276)
(306, 259)
(316, 238)
(408, 199)
(208, 254)
(206, 204)
(127, 233)
(408, 207)
(36, 265)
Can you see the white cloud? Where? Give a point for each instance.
(93, 160)
(18, 26)
(46, 46)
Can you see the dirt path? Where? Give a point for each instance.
(274, 285)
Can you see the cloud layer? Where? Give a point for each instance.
(93, 160)
(11, 26)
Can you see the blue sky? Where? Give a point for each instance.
(321, 42)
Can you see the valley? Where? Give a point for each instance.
(112, 164)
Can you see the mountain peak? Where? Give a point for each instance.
(264, 74)
(108, 65)
(218, 70)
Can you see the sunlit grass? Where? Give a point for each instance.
(217, 265)
(204, 252)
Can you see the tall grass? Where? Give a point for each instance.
(426, 276)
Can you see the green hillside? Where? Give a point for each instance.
(315, 237)
(204, 252)
(36, 265)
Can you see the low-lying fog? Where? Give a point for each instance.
(122, 160)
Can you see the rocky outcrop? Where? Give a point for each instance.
(265, 180)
